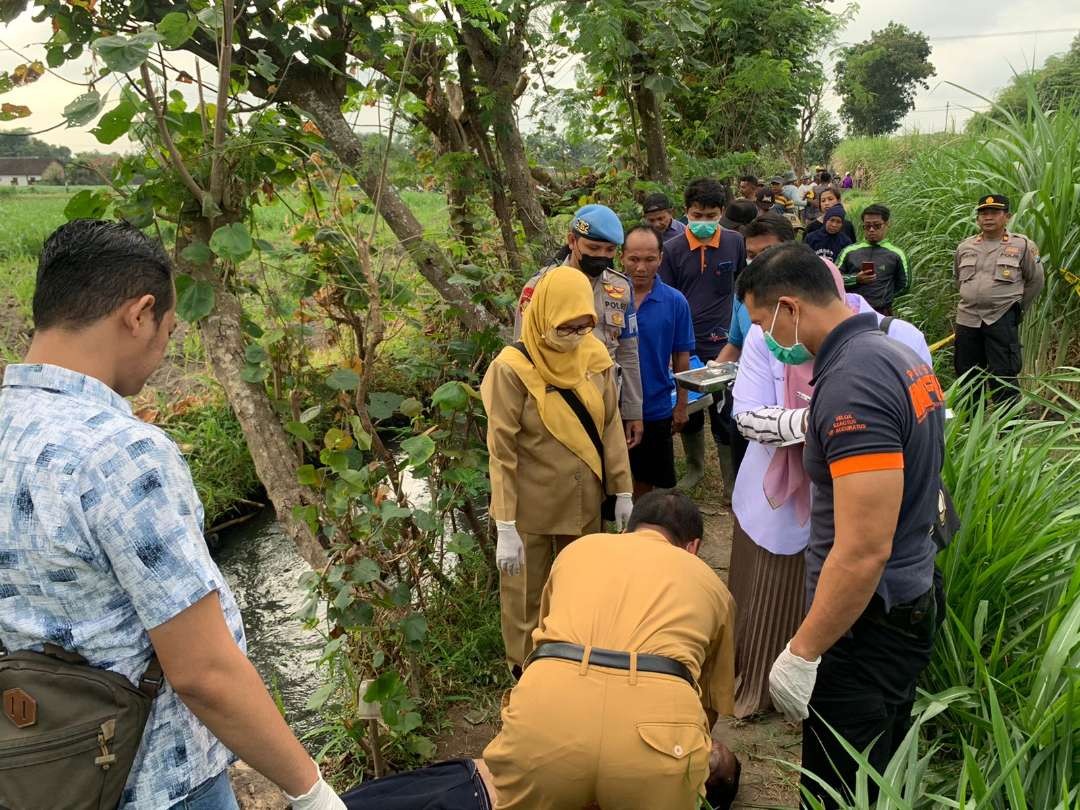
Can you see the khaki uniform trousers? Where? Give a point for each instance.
(574, 735)
(519, 596)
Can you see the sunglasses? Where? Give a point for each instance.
(567, 331)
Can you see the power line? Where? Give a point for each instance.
(990, 34)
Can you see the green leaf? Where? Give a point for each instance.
(265, 66)
(232, 242)
(123, 54)
(176, 28)
(365, 571)
(212, 17)
(300, 431)
(309, 515)
(307, 475)
(256, 354)
(414, 628)
(320, 696)
(137, 210)
(310, 413)
(419, 449)
(197, 253)
(87, 204)
(363, 438)
(450, 396)
(343, 379)
(411, 407)
(382, 404)
(422, 747)
(115, 122)
(384, 687)
(196, 301)
(461, 543)
(83, 109)
(253, 373)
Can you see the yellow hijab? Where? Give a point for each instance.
(562, 295)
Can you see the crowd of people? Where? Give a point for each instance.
(122, 650)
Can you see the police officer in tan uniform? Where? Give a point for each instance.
(595, 236)
(630, 671)
(998, 274)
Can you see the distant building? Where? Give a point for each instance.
(24, 171)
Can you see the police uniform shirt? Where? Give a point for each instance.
(662, 601)
(994, 275)
(616, 328)
(876, 406)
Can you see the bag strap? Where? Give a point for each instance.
(149, 683)
(582, 413)
(886, 323)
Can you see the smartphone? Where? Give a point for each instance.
(867, 266)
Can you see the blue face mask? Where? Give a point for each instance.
(794, 355)
(703, 229)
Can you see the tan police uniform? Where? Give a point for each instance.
(537, 481)
(574, 734)
(616, 328)
(997, 281)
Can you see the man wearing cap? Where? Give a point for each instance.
(791, 191)
(780, 198)
(658, 214)
(998, 274)
(595, 236)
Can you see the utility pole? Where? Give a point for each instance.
(946, 116)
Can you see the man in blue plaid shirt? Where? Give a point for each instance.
(101, 544)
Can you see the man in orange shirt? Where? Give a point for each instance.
(629, 673)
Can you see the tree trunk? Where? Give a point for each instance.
(648, 107)
(433, 264)
(271, 448)
(516, 164)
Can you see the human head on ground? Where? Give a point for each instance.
(594, 239)
(875, 223)
(764, 232)
(992, 214)
(641, 254)
(705, 200)
(791, 294)
(829, 197)
(104, 303)
(657, 211)
(834, 219)
(672, 513)
(748, 186)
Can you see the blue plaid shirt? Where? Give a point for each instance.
(100, 539)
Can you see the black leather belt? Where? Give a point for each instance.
(613, 659)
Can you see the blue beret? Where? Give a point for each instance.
(597, 222)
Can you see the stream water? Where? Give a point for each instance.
(263, 568)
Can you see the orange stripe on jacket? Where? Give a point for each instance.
(870, 462)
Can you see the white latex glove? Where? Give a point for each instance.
(624, 505)
(791, 682)
(509, 550)
(320, 797)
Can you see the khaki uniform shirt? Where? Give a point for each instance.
(535, 479)
(616, 328)
(638, 593)
(992, 276)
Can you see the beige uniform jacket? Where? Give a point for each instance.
(638, 593)
(535, 479)
(616, 328)
(992, 276)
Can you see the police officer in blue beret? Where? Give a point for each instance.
(595, 237)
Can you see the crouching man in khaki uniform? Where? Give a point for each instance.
(633, 661)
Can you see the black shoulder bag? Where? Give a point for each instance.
(946, 520)
(607, 503)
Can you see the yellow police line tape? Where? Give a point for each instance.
(943, 343)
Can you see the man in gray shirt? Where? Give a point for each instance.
(874, 450)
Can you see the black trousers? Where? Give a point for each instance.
(995, 348)
(722, 426)
(865, 690)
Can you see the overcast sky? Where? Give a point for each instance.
(962, 53)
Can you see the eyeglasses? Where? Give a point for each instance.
(873, 226)
(567, 331)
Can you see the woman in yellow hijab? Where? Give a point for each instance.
(546, 474)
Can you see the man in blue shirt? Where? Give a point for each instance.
(101, 544)
(657, 211)
(702, 264)
(665, 339)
